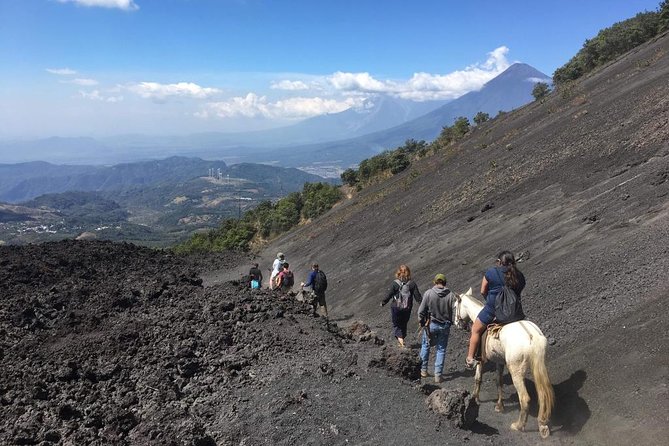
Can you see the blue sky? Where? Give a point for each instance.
(106, 67)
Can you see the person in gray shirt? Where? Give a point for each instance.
(436, 316)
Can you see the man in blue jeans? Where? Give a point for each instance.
(436, 315)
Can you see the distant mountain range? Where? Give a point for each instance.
(25, 181)
(377, 113)
(342, 138)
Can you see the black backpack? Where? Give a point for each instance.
(288, 279)
(508, 307)
(320, 282)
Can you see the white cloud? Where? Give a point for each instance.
(61, 71)
(426, 86)
(308, 107)
(536, 80)
(289, 85)
(359, 82)
(126, 5)
(254, 106)
(82, 82)
(496, 58)
(250, 106)
(160, 92)
(95, 95)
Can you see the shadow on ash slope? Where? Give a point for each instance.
(105, 343)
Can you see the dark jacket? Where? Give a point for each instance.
(438, 305)
(310, 278)
(395, 289)
(256, 274)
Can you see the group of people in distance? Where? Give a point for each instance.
(435, 312)
(283, 279)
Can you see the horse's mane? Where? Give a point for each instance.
(474, 298)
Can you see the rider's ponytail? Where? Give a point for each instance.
(506, 258)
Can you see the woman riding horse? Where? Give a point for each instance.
(521, 346)
(494, 279)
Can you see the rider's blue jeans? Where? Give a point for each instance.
(439, 334)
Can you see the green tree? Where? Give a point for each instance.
(663, 19)
(461, 127)
(398, 161)
(481, 117)
(364, 170)
(350, 177)
(287, 213)
(318, 198)
(413, 146)
(233, 235)
(609, 44)
(261, 218)
(540, 91)
(446, 136)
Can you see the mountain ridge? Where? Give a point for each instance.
(491, 98)
(24, 181)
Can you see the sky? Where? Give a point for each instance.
(173, 67)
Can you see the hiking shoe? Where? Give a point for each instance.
(471, 364)
(438, 378)
(424, 374)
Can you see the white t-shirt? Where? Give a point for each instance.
(276, 266)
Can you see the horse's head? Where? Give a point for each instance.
(461, 316)
(457, 312)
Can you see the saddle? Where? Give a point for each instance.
(493, 330)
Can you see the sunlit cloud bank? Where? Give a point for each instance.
(302, 97)
(536, 80)
(254, 106)
(350, 90)
(160, 92)
(426, 86)
(126, 5)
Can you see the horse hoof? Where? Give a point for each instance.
(517, 427)
(544, 431)
(499, 408)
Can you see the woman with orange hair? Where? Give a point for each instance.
(402, 292)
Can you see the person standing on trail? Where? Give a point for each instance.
(277, 267)
(436, 317)
(285, 280)
(504, 273)
(318, 283)
(402, 292)
(256, 276)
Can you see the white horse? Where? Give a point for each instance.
(521, 345)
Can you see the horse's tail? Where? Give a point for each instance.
(542, 382)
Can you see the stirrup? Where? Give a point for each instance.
(471, 365)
